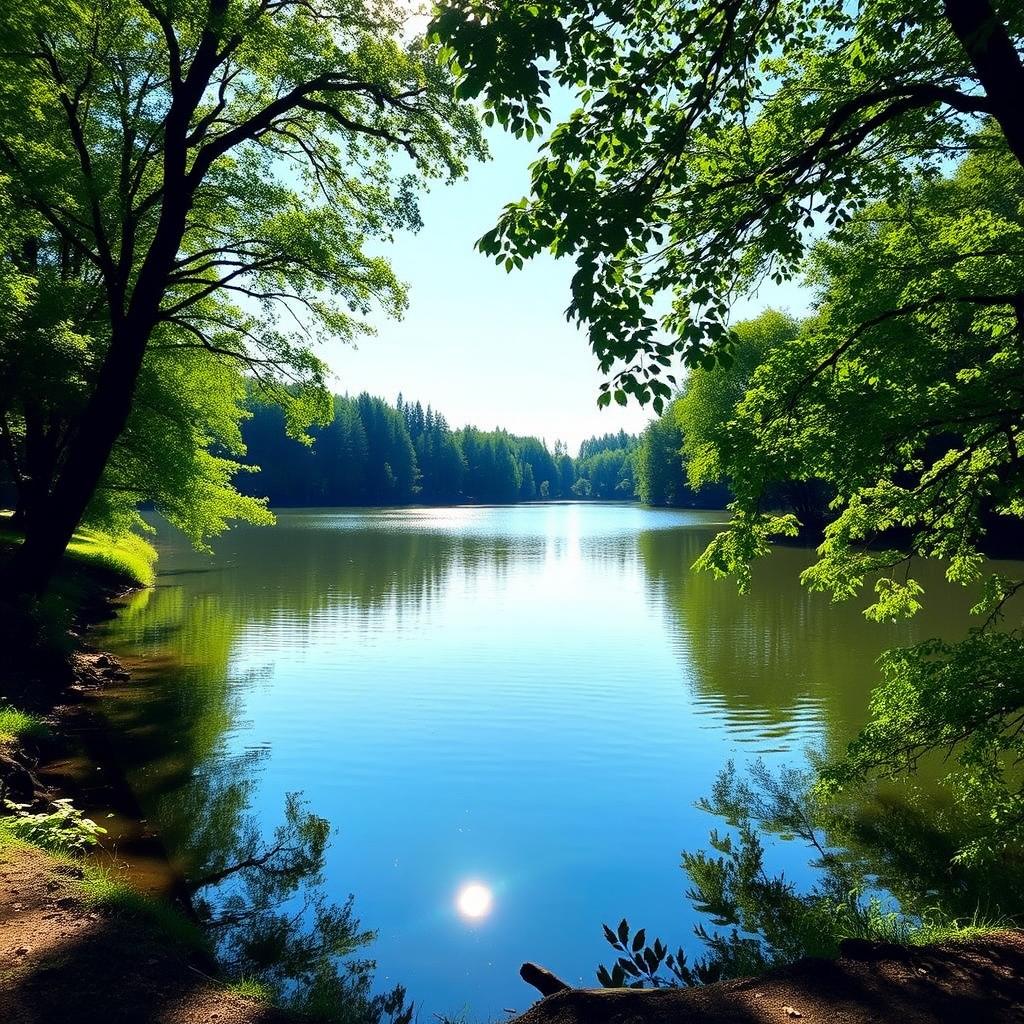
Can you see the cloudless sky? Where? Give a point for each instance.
(483, 346)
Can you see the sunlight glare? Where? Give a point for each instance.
(474, 900)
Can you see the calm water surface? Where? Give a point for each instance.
(529, 697)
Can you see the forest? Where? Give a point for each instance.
(374, 453)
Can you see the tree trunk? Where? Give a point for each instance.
(50, 526)
(996, 62)
(34, 563)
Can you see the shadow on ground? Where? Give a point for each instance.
(61, 961)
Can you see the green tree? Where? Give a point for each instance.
(711, 395)
(660, 472)
(528, 488)
(566, 474)
(902, 393)
(206, 176)
(582, 488)
(391, 458)
(712, 146)
(606, 464)
(609, 473)
(707, 409)
(713, 141)
(348, 457)
(441, 462)
(182, 444)
(533, 453)
(507, 480)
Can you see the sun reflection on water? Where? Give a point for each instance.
(474, 900)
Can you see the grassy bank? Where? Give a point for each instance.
(129, 558)
(94, 885)
(17, 725)
(66, 886)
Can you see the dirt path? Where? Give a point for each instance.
(978, 982)
(62, 962)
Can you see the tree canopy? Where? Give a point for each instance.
(902, 391)
(198, 189)
(373, 453)
(711, 143)
(876, 151)
(901, 395)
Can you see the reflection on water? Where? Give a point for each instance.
(780, 663)
(528, 699)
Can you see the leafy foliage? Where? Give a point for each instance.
(966, 699)
(711, 395)
(62, 828)
(197, 196)
(605, 467)
(912, 327)
(640, 965)
(901, 395)
(662, 472)
(880, 878)
(712, 143)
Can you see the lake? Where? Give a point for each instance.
(530, 698)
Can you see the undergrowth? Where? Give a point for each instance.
(16, 724)
(102, 888)
(65, 834)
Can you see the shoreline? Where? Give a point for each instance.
(75, 947)
(76, 759)
(121, 910)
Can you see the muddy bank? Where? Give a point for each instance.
(62, 957)
(77, 760)
(50, 668)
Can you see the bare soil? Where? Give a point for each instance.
(62, 961)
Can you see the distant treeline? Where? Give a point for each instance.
(375, 453)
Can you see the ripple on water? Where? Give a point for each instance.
(529, 698)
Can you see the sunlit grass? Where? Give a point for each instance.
(944, 929)
(20, 725)
(9, 841)
(252, 988)
(102, 889)
(128, 556)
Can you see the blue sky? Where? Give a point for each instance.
(483, 346)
